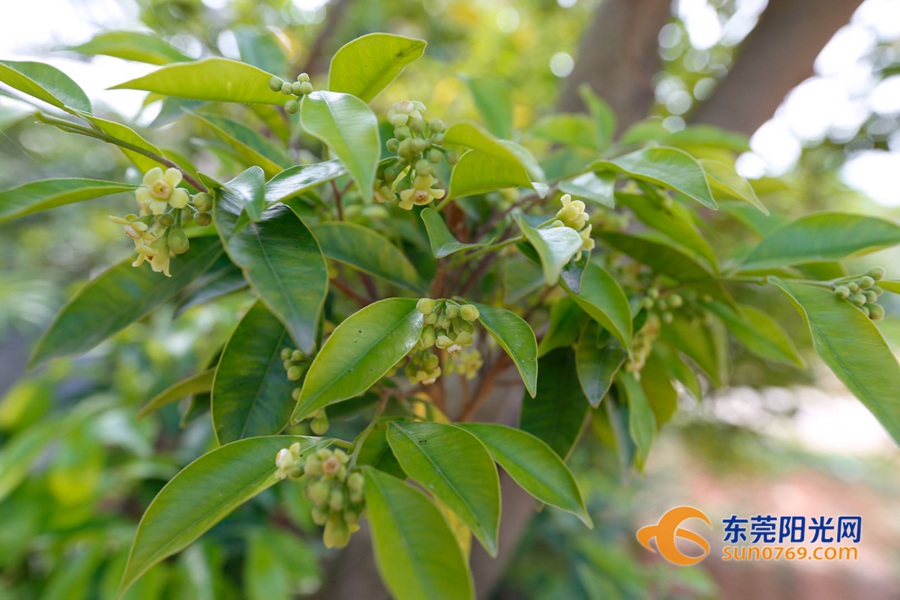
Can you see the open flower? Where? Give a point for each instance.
(572, 213)
(421, 193)
(161, 190)
(587, 242)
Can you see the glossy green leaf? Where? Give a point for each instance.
(443, 243)
(533, 465)
(603, 299)
(118, 298)
(597, 360)
(261, 47)
(823, 236)
(674, 221)
(568, 129)
(350, 130)
(724, 179)
(377, 453)
(203, 494)
(554, 245)
(641, 421)
(367, 250)
(221, 279)
(252, 147)
(474, 137)
(759, 332)
(368, 64)
(416, 553)
(516, 338)
(566, 320)
(360, 351)
(493, 101)
(678, 369)
(698, 343)
(479, 173)
(44, 82)
(43, 195)
(199, 383)
(667, 167)
(282, 261)
(131, 45)
(214, 79)
(853, 348)
(658, 255)
(301, 178)
(453, 466)
(592, 187)
(130, 137)
(249, 189)
(658, 389)
(251, 394)
(890, 286)
(558, 410)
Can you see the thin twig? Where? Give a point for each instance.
(349, 291)
(337, 200)
(484, 389)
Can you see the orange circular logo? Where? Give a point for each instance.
(666, 532)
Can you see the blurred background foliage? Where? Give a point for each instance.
(77, 468)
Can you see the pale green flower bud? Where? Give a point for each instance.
(871, 296)
(876, 273)
(428, 337)
(177, 240)
(393, 145)
(318, 493)
(865, 282)
(858, 299)
(319, 424)
(425, 306)
(292, 106)
(297, 356)
(319, 515)
(675, 301)
(203, 202)
(452, 157)
(336, 501)
(286, 354)
(355, 481)
(275, 84)
(876, 312)
(451, 310)
(853, 287)
(203, 219)
(303, 78)
(306, 88)
(436, 125)
(287, 89)
(842, 291)
(295, 373)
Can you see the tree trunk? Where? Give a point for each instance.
(617, 58)
(777, 55)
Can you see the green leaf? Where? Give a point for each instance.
(369, 251)
(199, 383)
(724, 179)
(377, 453)
(566, 319)
(597, 360)
(890, 286)
(602, 113)
(131, 45)
(301, 178)
(416, 553)
(568, 129)
(533, 465)
(368, 64)
(555, 246)
(203, 494)
(251, 394)
(453, 466)
(252, 147)
(641, 422)
(853, 348)
(658, 389)
(603, 299)
(658, 255)
(698, 343)
(479, 173)
(261, 47)
(493, 101)
(674, 221)
(282, 261)
(129, 136)
(823, 236)
(667, 167)
(249, 188)
(213, 79)
(558, 410)
(759, 332)
(443, 243)
(516, 338)
(118, 298)
(44, 83)
(43, 195)
(350, 130)
(470, 135)
(360, 351)
(592, 187)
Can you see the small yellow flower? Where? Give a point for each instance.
(161, 190)
(572, 213)
(383, 194)
(587, 243)
(421, 193)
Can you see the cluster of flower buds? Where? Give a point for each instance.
(467, 363)
(295, 365)
(449, 327)
(335, 490)
(863, 292)
(298, 89)
(572, 215)
(664, 305)
(157, 231)
(417, 143)
(642, 345)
